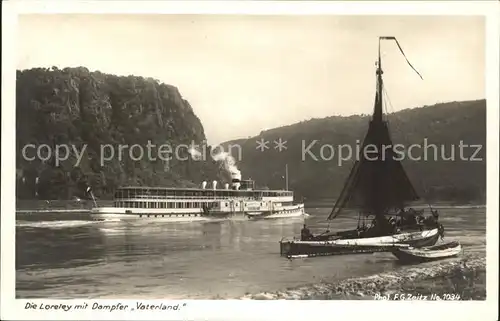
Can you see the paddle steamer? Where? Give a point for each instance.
(238, 200)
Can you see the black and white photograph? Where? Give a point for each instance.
(158, 159)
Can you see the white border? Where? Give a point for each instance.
(255, 310)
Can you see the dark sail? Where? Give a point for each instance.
(377, 182)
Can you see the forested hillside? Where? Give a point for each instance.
(460, 180)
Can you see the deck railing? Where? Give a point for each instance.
(180, 198)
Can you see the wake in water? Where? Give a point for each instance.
(465, 277)
(54, 224)
(60, 224)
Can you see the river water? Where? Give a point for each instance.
(68, 256)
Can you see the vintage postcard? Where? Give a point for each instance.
(249, 160)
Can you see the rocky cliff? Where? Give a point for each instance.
(93, 114)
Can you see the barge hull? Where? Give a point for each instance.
(326, 248)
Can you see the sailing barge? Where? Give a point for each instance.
(380, 190)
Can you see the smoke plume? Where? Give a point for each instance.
(228, 162)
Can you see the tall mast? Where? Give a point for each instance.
(375, 186)
(286, 177)
(378, 110)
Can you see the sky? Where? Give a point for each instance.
(244, 74)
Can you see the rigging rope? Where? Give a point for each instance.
(346, 218)
(388, 99)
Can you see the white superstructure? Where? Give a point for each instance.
(205, 203)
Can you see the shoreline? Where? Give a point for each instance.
(462, 279)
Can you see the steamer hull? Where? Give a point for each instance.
(206, 205)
